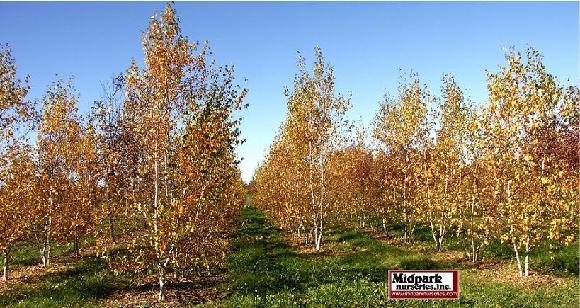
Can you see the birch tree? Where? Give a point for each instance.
(16, 164)
(16, 198)
(315, 119)
(401, 127)
(445, 192)
(181, 108)
(295, 172)
(57, 139)
(523, 98)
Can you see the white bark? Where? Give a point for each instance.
(405, 219)
(311, 186)
(317, 244)
(433, 233)
(321, 203)
(5, 270)
(45, 252)
(526, 268)
(43, 255)
(160, 268)
(518, 260)
(161, 295)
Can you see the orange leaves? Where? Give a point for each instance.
(17, 194)
(67, 166)
(504, 172)
(527, 101)
(15, 110)
(293, 184)
(179, 118)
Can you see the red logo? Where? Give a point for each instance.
(423, 284)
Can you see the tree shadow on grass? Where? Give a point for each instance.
(262, 261)
(84, 283)
(263, 264)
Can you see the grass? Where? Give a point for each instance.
(351, 271)
(68, 281)
(26, 254)
(549, 258)
(264, 270)
(80, 285)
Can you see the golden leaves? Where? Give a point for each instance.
(181, 108)
(501, 172)
(293, 184)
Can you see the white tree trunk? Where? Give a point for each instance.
(317, 244)
(527, 257)
(442, 232)
(161, 272)
(318, 238)
(46, 247)
(518, 259)
(433, 233)
(43, 254)
(5, 271)
(321, 203)
(160, 269)
(405, 206)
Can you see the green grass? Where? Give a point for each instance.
(27, 254)
(81, 285)
(264, 271)
(551, 257)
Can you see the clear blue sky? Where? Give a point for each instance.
(367, 43)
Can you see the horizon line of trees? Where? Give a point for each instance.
(505, 171)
